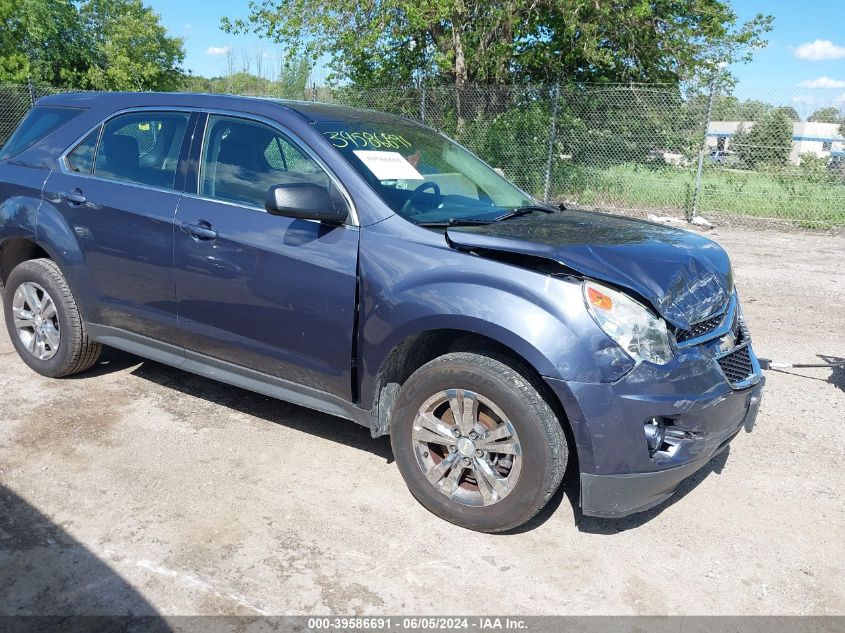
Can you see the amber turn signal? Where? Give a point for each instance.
(599, 299)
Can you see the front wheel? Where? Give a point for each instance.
(476, 442)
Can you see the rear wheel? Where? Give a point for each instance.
(44, 323)
(476, 442)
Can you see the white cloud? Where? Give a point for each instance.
(823, 82)
(216, 51)
(820, 50)
(840, 98)
(805, 99)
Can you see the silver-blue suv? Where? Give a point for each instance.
(368, 267)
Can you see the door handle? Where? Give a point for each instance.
(74, 197)
(200, 231)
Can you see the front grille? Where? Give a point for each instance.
(700, 329)
(737, 365)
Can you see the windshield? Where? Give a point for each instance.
(421, 175)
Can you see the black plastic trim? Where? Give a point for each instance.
(228, 373)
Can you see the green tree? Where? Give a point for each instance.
(729, 108)
(789, 111)
(815, 169)
(130, 48)
(42, 41)
(293, 78)
(767, 144)
(95, 44)
(385, 42)
(740, 145)
(826, 115)
(291, 82)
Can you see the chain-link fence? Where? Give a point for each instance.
(649, 149)
(15, 102)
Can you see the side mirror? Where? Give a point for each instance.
(305, 201)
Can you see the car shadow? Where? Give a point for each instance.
(322, 425)
(111, 360)
(837, 371)
(348, 433)
(837, 376)
(46, 575)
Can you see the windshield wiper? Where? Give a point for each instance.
(455, 222)
(513, 213)
(520, 211)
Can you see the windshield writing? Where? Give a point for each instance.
(422, 175)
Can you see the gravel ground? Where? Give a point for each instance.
(138, 488)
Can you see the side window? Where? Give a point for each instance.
(81, 158)
(242, 159)
(142, 147)
(41, 121)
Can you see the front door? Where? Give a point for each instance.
(118, 192)
(264, 292)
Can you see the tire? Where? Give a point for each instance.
(75, 351)
(494, 388)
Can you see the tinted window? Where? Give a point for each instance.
(81, 159)
(36, 125)
(242, 159)
(142, 147)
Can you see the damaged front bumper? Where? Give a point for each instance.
(699, 409)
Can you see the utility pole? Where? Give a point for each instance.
(31, 90)
(422, 100)
(552, 136)
(692, 211)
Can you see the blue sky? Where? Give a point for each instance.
(199, 24)
(807, 45)
(806, 49)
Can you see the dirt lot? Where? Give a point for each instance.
(139, 488)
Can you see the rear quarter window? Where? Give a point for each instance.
(38, 123)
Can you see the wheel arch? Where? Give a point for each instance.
(415, 350)
(15, 251)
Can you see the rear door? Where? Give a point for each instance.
(118, 190)
(269, 293)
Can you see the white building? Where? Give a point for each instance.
(819, 139)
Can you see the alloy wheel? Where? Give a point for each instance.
(36, 320)
(466, 447)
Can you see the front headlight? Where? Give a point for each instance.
(641, 334)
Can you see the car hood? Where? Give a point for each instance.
(685, 277)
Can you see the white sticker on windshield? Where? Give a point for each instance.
(388, 165)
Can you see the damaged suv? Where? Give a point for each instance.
(368, 267)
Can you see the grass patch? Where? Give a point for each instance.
(781, 196)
